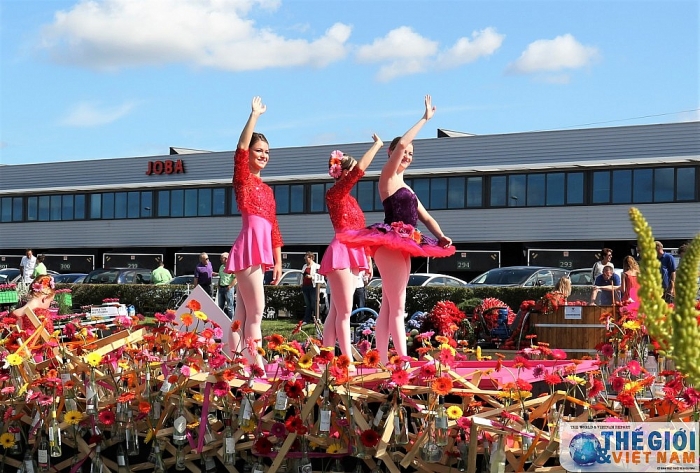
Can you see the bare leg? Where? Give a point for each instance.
(337, 326)
(395, 268)
(249, 311)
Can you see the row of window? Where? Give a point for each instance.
(622, 186)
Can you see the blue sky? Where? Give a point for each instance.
(118, 78)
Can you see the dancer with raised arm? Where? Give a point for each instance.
(258, 246)
(340, 264)
(393, 242)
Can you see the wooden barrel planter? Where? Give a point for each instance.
(574, 329)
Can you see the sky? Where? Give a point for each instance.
(119, 78)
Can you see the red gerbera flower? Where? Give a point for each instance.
(295, 424)
(294, 389)
(106, 417)
(262, 446)
(400, 377)
(369, 438)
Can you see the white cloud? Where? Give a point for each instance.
(404, 52)
(464, 51)
(562, 52)
(113, 34)
(89, 114)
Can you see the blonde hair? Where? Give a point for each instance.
(563, 286)
(42, 285)
(629, 263)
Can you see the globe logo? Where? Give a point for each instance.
(584, 448)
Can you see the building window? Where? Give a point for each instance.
(133, 200)
(218, 201)
(96, 206)
(498, 191)
(6, 212)
(475, 192)
(282, 198)
(177, 203)
(685, 184)
(574, 188)
(55, 203)
(79, 207)
(191, 204)
(32, 209)
(622, 186)
(67, 207)
(642, 185)
(296, 197)
(535, 190)
(663, 184)
(317, 198)
(438, 193)
(555, 188)
(44, 208)
(601, 187)
(365, 195)
(455, 193)
(234, 204)
(146, 205)
(163, 204)
(516, 190)
(422, 189)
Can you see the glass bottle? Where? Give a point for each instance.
(131, 436)
(28, 463)
(180, 459)
(15, 428)
(96, 464)
(180, 426)
(229, 442)
(91, 395)
(42, 455)
(74, 467)
(358, 467)
(258, 466)
(281, 404)
(441, 432)
(324, 424)
(400, 423)
(158, 465)
(337, 467)
(381, 415)
(55, 449)
(247, 422)
(122, 460)
(305, 462)
(208, 465)
(378, 467)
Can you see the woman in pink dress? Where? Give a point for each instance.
(393, 242)
(258, 246)
(340, 264)
(630, 285)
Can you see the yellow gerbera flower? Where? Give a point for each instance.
(632, 325)
(261, 351)
(573, 379)
(93, 359)
(7, 440)
(73, 417)
(332, 448)
(305, 361)
(200, 315)
(285, 348)
(199, 397)
(123, 364)
(454, 412)
(13, 359)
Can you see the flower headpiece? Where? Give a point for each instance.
(43, 285)
(334, 164)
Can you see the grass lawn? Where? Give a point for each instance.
(285, 327)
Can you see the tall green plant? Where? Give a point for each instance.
(675, 328)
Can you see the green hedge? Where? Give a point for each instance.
(148, 299)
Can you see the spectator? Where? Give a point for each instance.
(26, 267)
(359, 299)
(203, 273)
(563, 287)
(630, 285)
(668, 272)
(225, 296)
(606, 258)
(40, 268)
(606, 287)
(308, 287)
(161, 275)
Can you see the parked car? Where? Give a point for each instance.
(186, 279)
(293, 277)
(119, 276)
(70, 278)
(426, 279)
(11, 275)
(524, 276)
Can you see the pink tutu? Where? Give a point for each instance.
(339, 256)
(398, 236)
(253, 246)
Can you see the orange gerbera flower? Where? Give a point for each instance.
(343, 361)
(274, 340)
(236, 325)
(441, 386)
(194, 305)
(144, 407)
(187, 319)
(371, 358)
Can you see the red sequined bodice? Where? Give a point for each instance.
(253, 196)
(343, 209)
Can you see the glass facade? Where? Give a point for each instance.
(664, 184)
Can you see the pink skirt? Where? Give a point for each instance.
(376, 236)
(339, 256)
(253, 246)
